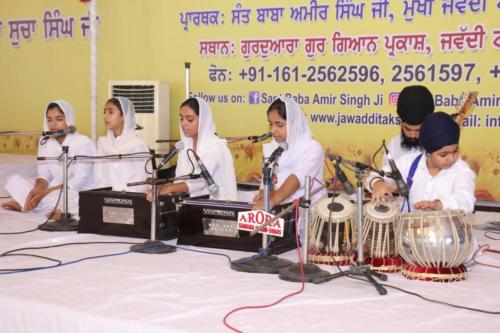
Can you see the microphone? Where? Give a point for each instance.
(186, 177)
(213, 188)
(396, 175)
(263, 137)
(56, 134)
(276, 153)
(179, 145)
(339, 159)
(346, 184)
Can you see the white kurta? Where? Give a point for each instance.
(80, 174)
(117, 173)
(214, 154)
(304, 157)
(219, 164)
(307, 161)
(454, 187)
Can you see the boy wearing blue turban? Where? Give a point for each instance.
(438, 178)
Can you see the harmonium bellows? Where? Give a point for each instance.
(126, 214)
(214, 223)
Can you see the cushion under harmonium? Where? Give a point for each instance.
(213, 223)
(126, 214)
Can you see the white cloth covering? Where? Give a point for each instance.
(304, 156)
(117, 173)
(214, 154)
(81, 174)
(186, 292)
(454, 187)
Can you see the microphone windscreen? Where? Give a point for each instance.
(348, 188)
(284, 146)
(179, 145)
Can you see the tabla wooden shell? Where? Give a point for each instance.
(435, 244)
(379, 225)
(330, 233)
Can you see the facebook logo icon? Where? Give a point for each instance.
(253, 96)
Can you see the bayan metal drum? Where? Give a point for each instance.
(379, 227)
(434, 244)
(330, 233)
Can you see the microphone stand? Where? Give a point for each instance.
(12, 133)
(294, 272)
(359, 269)
(153, 246)
(65, 222)
(264, 261)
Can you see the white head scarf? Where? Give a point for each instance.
(66, 108)
(298, 133)
(128, 140)
(206, 137)
(206, 128)
(207, 142)
(297, 128)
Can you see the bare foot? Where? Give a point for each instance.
(12, 205)
(55, 214)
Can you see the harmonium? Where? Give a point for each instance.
(127, 214)
(213, 223)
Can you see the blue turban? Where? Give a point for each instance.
(438, 130)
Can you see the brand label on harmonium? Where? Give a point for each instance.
(250, 220)
(118, 201)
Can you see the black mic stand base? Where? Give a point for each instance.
(311, 272)
(361, 270)
(260, 263)
(64, 223)
(153, 247)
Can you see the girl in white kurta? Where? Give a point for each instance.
(119, 118)
(303, 156)
(441, 179)
(40, 195)
(197, 130)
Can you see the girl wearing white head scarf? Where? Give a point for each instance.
(197, 130)
(303, 157)
(119, 118)
(40, 195)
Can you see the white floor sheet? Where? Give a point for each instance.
(191, 292)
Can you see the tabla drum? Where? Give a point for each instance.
(434, 244)
(330, 233)
(379, 226)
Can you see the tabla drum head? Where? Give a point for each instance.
(386, 210)
(339, 210)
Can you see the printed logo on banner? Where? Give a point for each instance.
(250, 220)
(253, 97)
(393, 98)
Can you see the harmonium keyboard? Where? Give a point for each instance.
(126, 214)
(213, 223)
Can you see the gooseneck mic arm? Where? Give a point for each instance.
(178, 146)
(341, 176)
(213, 188)
(401, 185)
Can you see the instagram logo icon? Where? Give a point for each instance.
(393, 98)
